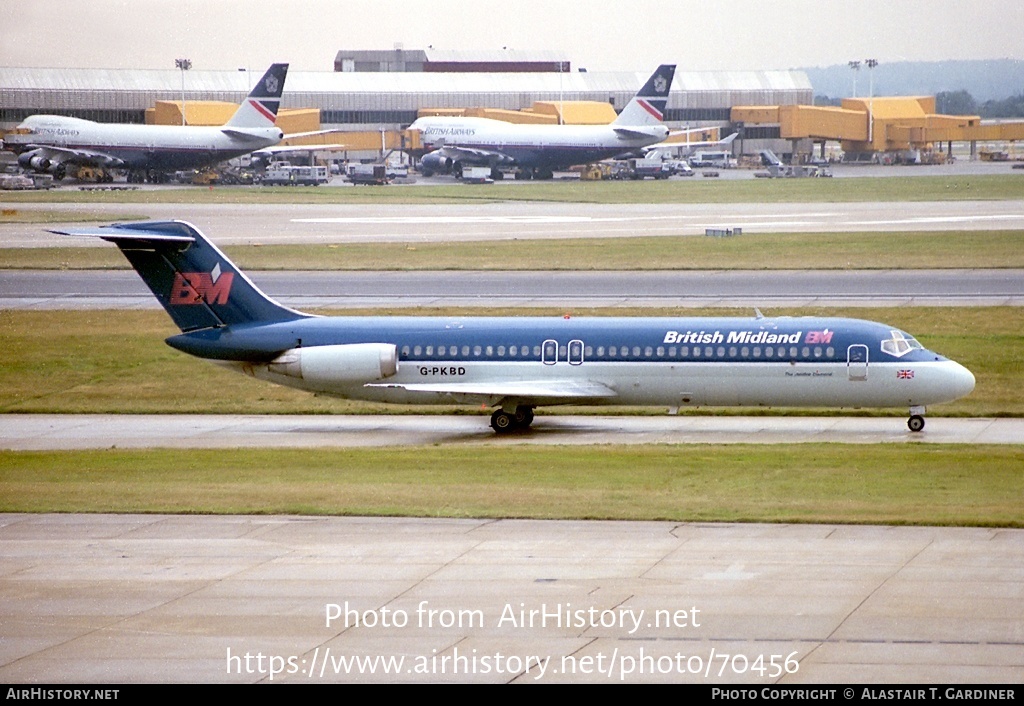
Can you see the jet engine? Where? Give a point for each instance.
(346, 363)
(435, 163)
(34, 161)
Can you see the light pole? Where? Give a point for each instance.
(871, 64)
(184, 65)
(855, 65)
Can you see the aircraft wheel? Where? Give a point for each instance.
(524, 417)
(59, 173)
(915, 423)
(503, 422)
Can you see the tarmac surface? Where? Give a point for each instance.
(230, 224)
(102, 431)
(123, 289)
(126, 599)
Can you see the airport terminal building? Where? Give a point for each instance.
(360, 100)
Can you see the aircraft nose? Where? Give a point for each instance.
(961, 380)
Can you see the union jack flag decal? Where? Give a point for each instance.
(904, 374)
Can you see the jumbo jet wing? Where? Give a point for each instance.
(540, 392)
(75, 156)
(474, 154)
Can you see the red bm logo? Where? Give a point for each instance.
(818, 336)
(199, 287)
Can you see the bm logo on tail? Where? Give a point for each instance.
(192, 288)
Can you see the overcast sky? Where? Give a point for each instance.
(633, 35)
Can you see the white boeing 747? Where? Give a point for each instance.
(48, 143)
(540, 150)
(515, 364)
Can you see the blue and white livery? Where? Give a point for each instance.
(516, 364)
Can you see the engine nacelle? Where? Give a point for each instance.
(435, 163)
(347, 363)
(33, 160)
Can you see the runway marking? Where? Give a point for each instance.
(534, 220)
(400, 220)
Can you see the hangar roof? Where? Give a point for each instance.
(198, 81)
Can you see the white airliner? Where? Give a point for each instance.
(48, 143)
(540, 150)
(515, 364)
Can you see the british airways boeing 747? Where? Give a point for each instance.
(539, 150)
(48, 143)
(516, 364)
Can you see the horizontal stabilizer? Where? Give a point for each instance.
(244, 136)
(628, 134)
(126, 232)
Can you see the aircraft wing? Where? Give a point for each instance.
(74, 156)
(297, 149)
(474, 154)
(546, 391)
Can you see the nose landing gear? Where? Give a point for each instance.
(916, 421)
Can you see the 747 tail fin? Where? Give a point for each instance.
(259, 109)
(194, 281)
(648, 105)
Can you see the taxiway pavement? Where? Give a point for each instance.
(120, 289)
(103, 431)
(155, 599)
(230, 224)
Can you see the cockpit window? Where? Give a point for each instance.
(900, 344)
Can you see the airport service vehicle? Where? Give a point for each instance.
(284, 174)
(720, 159)
(372, 174)
(451, 144)
(516, 364)
(477, 175)
(53, 143)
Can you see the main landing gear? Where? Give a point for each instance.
(916, 421)
(507, 422)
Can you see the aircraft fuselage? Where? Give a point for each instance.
(494, 142)
(156, 147)
(813, 362)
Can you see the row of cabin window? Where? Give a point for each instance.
(616, 352)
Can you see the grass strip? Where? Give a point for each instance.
(916, 484)
(697, 190)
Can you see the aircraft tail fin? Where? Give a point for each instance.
(648, 105)
(259, 109)
(194, 281)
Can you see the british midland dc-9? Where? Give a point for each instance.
(516, 364)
